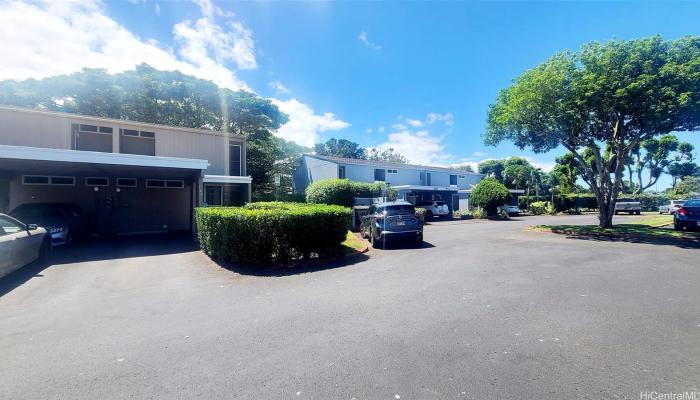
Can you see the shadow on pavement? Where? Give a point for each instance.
(680, 243)
(109, 248)
(296, 267)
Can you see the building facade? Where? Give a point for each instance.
(126, 176)
(414, 183)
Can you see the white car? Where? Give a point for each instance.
(20, 244)
(671, 207)
(436, 208)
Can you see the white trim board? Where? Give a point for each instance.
(93, 157)
(227, 179)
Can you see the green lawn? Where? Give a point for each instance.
(353, 244)
(651, 227)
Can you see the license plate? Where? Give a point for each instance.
(697, 223)
(401, 223)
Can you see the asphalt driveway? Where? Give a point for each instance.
(486, 310)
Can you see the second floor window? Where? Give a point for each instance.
(92, 138)
(341, 172)
(453, 179)
(133, 141)
(380, 175)
(235, 165)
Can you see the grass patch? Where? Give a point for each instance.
(652, 229)
(353, 244)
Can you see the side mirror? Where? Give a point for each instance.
(32, 227)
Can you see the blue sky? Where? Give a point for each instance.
(415, 76)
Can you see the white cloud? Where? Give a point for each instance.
(447, 118)
(479, 154)
(419, 147)
(53, 38)
(414, 122)
(368, 130)
(278, 87)
(156, 8)
(381, 129)
(305, 126)
(364, 38)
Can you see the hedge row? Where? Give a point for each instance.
(342, 192)
(650, 202)
(268, 232)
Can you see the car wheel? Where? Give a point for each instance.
(419, 241)
(677, 226)
(428, 214)
(45, 250)
(69, 240)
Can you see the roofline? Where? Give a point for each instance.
(94, 157)
(397, 165)
(121, 121)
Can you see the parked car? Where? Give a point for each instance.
(671, 207)
(435, 209)
(391, 221)
(688, 216)
(65, 222)
(510, 209)
(628, 206)
(20, 244)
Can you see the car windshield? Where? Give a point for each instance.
(625, 200)
(692, 203)
(396, 210)
(439, 203)
(678, 202)
(33, 212)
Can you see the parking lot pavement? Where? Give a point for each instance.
(485, 310)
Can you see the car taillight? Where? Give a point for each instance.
(682, 211)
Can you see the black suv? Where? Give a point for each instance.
(389, 221)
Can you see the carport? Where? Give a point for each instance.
(416, 194)
(119, 193)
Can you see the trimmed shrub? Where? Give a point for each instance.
(489, 194)
(541, 207)
(420, 213)
(268, 232)
(341, 192)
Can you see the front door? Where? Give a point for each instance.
(214, 195)
(428, 180)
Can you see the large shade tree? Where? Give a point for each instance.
(340, 148)
(605, 100)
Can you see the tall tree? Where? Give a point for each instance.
(607, 98)
(388, 155)
(161, 97)
(340, 148)
(492, 168)
(654, 157)
(287, 158)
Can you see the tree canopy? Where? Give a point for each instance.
(161, 97)
(606, 99)
(340, 148)
(388, 155)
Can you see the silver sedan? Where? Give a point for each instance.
(20, 244)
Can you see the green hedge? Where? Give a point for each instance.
(565, 202)
(268, 232)
(342, 191)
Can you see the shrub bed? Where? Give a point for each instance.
(342, 191)
(269, 232)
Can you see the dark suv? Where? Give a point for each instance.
(389, 221)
